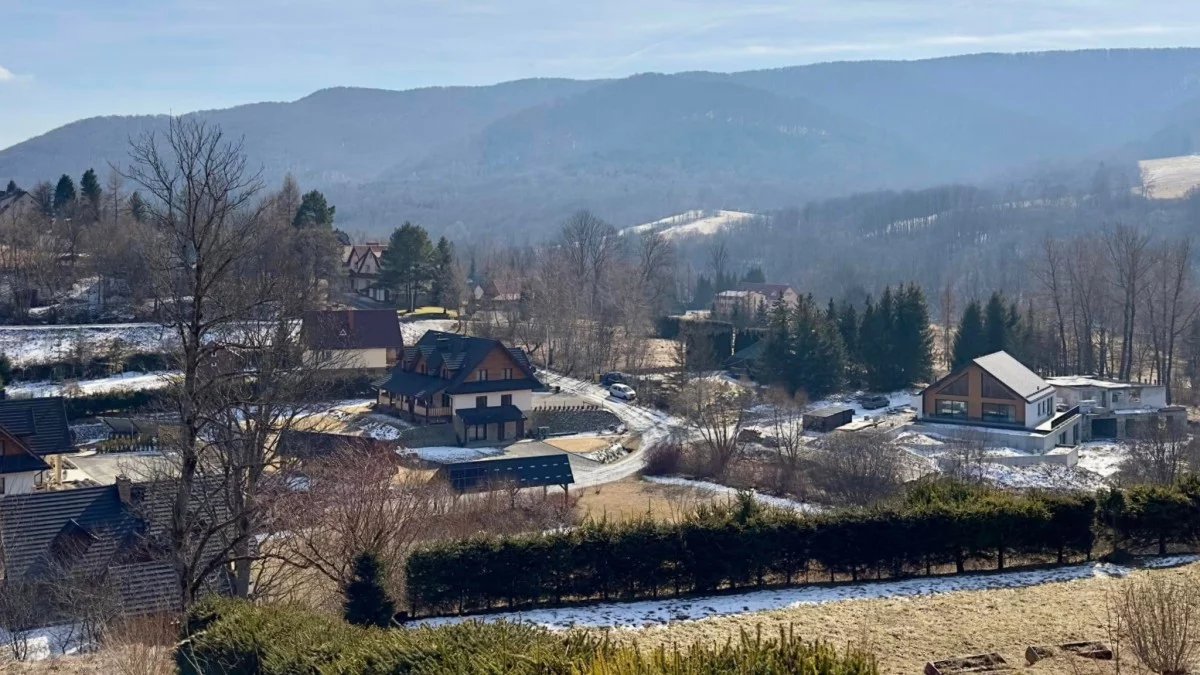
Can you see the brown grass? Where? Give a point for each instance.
(635, 498)
(906, 633)
(585, 444)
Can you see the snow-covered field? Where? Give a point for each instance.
(413, 330)
(1170, 177)
(43, 643)
(450, 453)
(649, 613)
(692, 223)
(766, 500)
(131, 381)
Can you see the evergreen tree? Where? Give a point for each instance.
(848, 327)
(445, 290)
(407, 262)
(137, 207)
(89, 187)
(755, 275)
(775, 362)
(912, 339)
(877, 342)
(703, 296)
(367, 602)
(12, 188)
(64, 193)
(995, 324)
(314, 211)
(970, 342)
(819, 365)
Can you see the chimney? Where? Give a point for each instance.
(125, 489)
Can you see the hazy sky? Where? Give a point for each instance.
(63, 60)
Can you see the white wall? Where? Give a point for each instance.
(522, 398)
(351, 358)
(19, 483)
(1032, 417)
(1148, 396)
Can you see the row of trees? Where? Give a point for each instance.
(888, 347)
(413, 266)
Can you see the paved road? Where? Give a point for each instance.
(654, 427)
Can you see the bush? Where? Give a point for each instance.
(367, 601)
(740, 545)
(228, 637)
(664, 459)
(117, 402)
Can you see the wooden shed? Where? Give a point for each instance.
(828, 419)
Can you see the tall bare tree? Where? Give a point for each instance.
(1128, 254)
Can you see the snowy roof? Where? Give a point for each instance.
(1013, 374)
(1084, 381)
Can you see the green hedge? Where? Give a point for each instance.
(102, 366)
(1153, 517)
(226, 637)
(115, 403)
(744, 545)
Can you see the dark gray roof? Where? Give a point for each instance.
(22, 463)
(352, 329)
(502, 472)
(1014, 375)
(39, 423)
(831, 411)
(462, 355)
(491, 415)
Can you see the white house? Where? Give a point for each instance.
(1115, 410)
(355, 339)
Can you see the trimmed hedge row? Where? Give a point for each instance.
(743, 545)
(225, 637)
(115, 403)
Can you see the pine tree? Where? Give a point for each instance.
(970, 341)
(755, 275)
(12, 188)
(137, 207)
(64, 193)
(775, 362)
(445, 290)
(703, 296)
(407, 262)
(995, 324)
(848, 327)
(912, 339)
(819, 365)
(367, 602)
(89, 187)
(314, 211)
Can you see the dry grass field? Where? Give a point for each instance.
(582, 444)
(634, 498)
(906, 633)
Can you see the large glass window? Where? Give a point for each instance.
(999, 412)
(947, 408)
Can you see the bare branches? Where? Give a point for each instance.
(1161, 617)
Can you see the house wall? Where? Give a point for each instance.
(1046, 404)
(19, 483)
(522, 398)
(1128, 398)
(974, 399)
(495, 363)
(348, 359)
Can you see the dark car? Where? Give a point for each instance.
(874, 401)
(614, 377)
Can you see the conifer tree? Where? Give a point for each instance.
(64, 193)
(912, 338)
(996, 324)
(367, 602)
(12, 188)
(970, 341)
(848, 327)
(314, 211)
(89, 187)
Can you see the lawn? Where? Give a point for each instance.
(423, 311)
(635, 498)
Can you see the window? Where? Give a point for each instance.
(480, 401)
(1116, 397)
(947, 408)
(506, 399)
(508, 373)
(959, 387)
(999, 412)
(478, 432)
(481, 375)
(446, 402)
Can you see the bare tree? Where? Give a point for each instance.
(1130, 260)
(858, 468)
(787, 430)
(1160, 454)
(1161, 616)
(1171, 305)
(717, 411)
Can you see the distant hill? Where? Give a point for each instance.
(514, 159)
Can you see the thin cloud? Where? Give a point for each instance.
(6, 75)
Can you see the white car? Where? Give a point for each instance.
(622, 391)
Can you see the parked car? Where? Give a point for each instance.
(874, 401)
(614, 377)
(622, 391)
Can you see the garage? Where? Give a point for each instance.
(1104, 428)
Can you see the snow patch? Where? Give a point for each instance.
(449, 454)
(131, 381)
(765, 500)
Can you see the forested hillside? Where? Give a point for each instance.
(520, 156)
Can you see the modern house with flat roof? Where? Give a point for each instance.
(998, 399)
(1116, 410)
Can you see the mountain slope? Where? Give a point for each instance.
(518, 157)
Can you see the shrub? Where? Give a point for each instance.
(663, 459)
(367, 601)
(229, 637)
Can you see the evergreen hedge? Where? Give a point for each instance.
(229, 637)
(743, 545)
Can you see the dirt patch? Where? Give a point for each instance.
(907, 633)
(585, 444)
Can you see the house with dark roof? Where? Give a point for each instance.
(481, 386)
(363, 263)
(998, 399)
(352, 339)
(30, 430)
(108, 538)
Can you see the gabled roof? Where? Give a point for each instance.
(461, 354)
(22, 460)
(1014, 375)
(352, 329)
(39, 423)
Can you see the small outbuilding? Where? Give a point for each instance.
(828, 419)
(505, 472)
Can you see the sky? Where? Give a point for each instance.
(66, 60)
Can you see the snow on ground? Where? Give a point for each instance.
(649, 613)
(44, 643)
(131, 381)
(765, 500)
(444, 454)
(413, 330)
(1045, 476)
(25, 345)
(1102, 457)
(896, 399)
(692, 223)
(381, 432)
